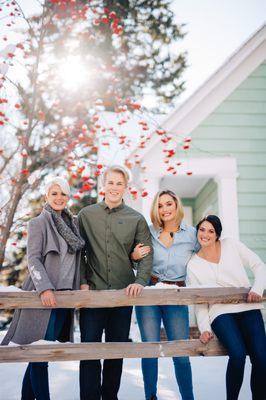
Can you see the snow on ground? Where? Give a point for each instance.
(208, 379)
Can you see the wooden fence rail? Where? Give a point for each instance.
(97, 351)
(116, 298)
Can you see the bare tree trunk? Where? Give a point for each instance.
(5, 233)
(22, 185)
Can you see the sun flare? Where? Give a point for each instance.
(73, 73)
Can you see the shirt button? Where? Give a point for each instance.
(109, 286)
(108, 255)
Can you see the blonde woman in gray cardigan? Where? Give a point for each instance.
(53, 251)
(239, 327)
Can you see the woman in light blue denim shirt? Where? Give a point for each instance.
(173, 244)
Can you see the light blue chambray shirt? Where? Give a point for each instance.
(170, 264)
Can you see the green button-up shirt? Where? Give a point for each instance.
(111, 235)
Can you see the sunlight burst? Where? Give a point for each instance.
(73, 73)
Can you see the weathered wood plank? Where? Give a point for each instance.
(96, 351)
(115, 298)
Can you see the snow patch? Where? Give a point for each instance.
(11, 288)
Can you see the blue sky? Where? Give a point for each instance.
(216, 28)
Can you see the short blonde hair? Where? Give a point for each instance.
(155, 217)
(57, 180)
(117, 168)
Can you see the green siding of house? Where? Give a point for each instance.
(206, 202)
(238, 128)
(188, 202)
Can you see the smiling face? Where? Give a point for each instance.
(114, 188)
(167, 208)
(206, 234)
(56, 198)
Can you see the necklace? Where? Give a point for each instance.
(172, 232)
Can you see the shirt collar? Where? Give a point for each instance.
(183, 226)
(105, 206)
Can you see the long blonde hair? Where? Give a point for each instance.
(155, 217)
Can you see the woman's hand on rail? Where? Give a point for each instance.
(206, 336)
(253, 297)
(84, 286)
(140, 251)
(48, 298)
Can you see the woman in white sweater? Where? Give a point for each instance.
(239, 327)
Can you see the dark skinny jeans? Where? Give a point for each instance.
(35, 382)
(241, 334)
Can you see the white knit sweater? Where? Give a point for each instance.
(230, 271)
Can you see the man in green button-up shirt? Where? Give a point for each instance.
(111, 231)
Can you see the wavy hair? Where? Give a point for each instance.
(155, 217)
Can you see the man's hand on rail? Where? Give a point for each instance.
(206, 336)
(84, 286)
(48, 298)
(134, 289)
(253, 297)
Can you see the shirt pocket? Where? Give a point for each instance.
(125, 234)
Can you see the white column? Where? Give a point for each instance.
(143, 204)
(152, 187)
(227, 203)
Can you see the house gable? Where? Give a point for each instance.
(237, 128)
(214, 91)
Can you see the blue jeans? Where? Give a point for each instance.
(35, 382)
(175, 321)
(116, 324)
(243, 333)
